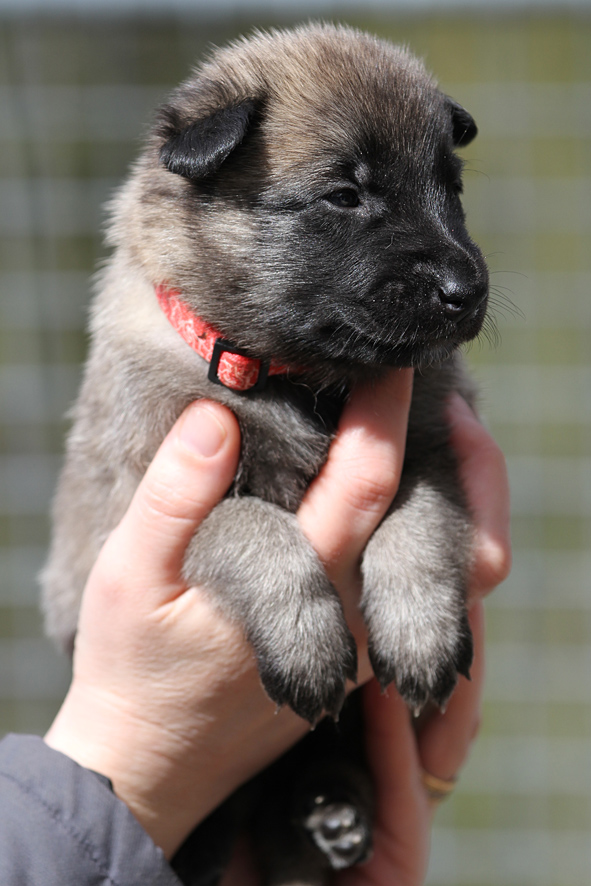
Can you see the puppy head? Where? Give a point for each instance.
(303, 192)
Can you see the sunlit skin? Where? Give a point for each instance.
(165, 698)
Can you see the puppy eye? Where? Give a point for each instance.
(345, 198)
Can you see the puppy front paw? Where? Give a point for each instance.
(418, 632)
(253, 559)
(421, 654)
(414, 590)
(305, 661)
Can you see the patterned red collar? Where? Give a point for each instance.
(229, 366)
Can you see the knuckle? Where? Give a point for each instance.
(163, 497)
(110, 570)
(499, 562)
(476, 727)
(372, 486)
(496, 457)
(493, 563)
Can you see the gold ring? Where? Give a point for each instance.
(437, 788)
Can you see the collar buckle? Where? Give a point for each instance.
(222, 346)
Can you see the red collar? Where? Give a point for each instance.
(229, 366)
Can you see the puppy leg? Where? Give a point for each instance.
(317, 806)
(264, 573)
(90, 501)
(333, 806)
(414, 575)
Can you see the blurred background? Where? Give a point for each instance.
(78, 82)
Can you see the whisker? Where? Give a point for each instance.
(502, 304)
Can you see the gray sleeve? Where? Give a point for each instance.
(61, 825)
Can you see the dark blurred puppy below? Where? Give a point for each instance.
(294, 225)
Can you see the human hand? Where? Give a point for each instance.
(400, 751)
(165, 698)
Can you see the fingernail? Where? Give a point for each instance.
(201, 431)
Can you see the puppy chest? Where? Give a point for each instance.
(283, 449)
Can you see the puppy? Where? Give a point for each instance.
(293, 226)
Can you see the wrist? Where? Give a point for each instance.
(171, 778)
(96, 732)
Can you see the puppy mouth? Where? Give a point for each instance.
(402, 354)
(409, 347)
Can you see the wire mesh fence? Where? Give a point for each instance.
(75, 96)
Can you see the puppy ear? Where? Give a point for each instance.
(464, 128)
(198, 150)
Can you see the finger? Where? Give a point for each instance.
(356, 486)
(401, 833)
(445, 739)
(484, 476)
(190, 473)
(390, 740)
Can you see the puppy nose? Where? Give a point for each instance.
(457, 299)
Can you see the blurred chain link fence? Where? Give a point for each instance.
(75, 96)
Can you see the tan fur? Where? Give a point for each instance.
(240, 201)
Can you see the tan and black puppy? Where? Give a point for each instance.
(293, 225)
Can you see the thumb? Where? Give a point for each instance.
(189, 475)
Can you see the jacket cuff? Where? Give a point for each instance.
(61, 823)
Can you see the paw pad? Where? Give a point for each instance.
(339, 831)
